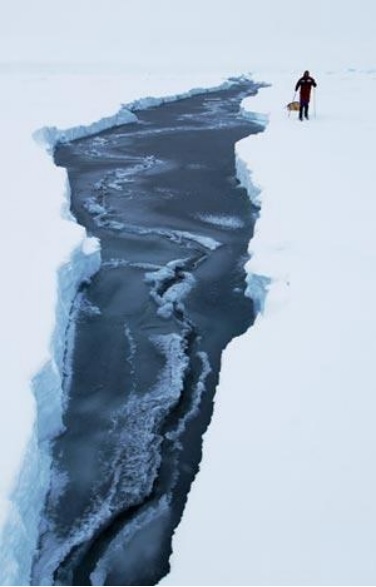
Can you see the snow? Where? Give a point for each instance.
(285, 491)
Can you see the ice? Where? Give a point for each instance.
(312, 253)
(135, 459)
(171, 285)
(94, 207)
(27, 500)
(121, 550)
(132, 348)
(195, 398)
(49, 136)
(226, 222)
(245, 175)
(152, 102)
(118, 552)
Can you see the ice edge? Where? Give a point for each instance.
(257, 284)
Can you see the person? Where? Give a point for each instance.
(305, 84)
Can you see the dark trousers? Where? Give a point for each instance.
(303, 111)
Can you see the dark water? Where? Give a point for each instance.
(149, 330)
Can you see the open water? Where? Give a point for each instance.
(147, 333)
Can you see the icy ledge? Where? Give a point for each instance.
(257, 283)
(20, 533)
(50, 136)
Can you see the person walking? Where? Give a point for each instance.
(305, 84)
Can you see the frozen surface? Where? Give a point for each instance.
(305, 372)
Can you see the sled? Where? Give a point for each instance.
(293, 107)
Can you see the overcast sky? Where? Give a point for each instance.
(213, 34)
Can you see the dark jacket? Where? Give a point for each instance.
(305, 84)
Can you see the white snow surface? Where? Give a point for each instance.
(285, 494)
